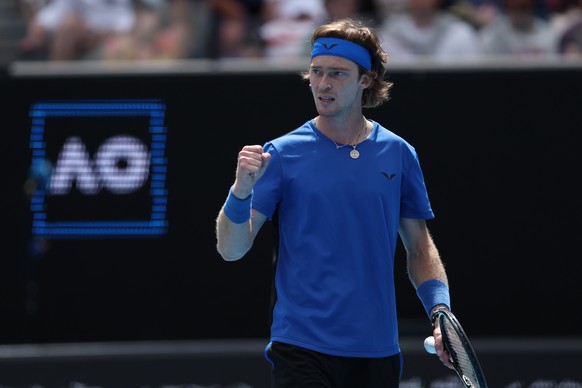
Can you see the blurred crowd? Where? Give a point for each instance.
(279, 30)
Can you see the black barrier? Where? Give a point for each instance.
(240, 364)
(499, 148)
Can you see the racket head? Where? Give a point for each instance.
(464, 358)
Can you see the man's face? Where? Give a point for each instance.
(335, 84)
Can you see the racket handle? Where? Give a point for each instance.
(429, 345)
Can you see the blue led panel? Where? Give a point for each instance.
(100, 167)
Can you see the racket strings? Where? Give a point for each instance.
(461, 358)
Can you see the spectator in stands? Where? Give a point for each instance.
(520, 31)
(234, 29)
(478, 13)
(427, 30)
(563, 14)
(570, 44)
(351, 9)
(385, 8)
(201, 28)
(73, 29)
(565, 21)
(163, 30)
(286, 33)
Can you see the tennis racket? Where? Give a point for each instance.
(463, 357)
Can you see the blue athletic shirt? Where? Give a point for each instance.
(338, 228)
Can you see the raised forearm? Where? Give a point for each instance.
(233, 240)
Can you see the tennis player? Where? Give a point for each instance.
(341, 189)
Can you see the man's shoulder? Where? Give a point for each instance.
(386, 134)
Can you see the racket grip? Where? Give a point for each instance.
(429, 345)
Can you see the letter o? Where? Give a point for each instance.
(123, 164)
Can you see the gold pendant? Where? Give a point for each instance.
(355, 154)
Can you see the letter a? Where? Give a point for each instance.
(74, 165)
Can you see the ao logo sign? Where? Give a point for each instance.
(121, 165)
(105, 169)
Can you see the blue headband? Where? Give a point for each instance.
(342, 48)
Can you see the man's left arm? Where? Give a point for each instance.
(427, 273)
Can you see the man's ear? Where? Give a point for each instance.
(366, 81)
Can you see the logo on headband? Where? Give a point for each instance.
(329, 46)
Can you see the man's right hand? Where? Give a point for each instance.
(252, 164)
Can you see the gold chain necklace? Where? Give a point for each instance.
(354, 153)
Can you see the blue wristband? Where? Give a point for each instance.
(433, 292)
(236, 209)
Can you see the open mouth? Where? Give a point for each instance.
(326, 99)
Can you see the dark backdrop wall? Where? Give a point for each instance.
(500, 152)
